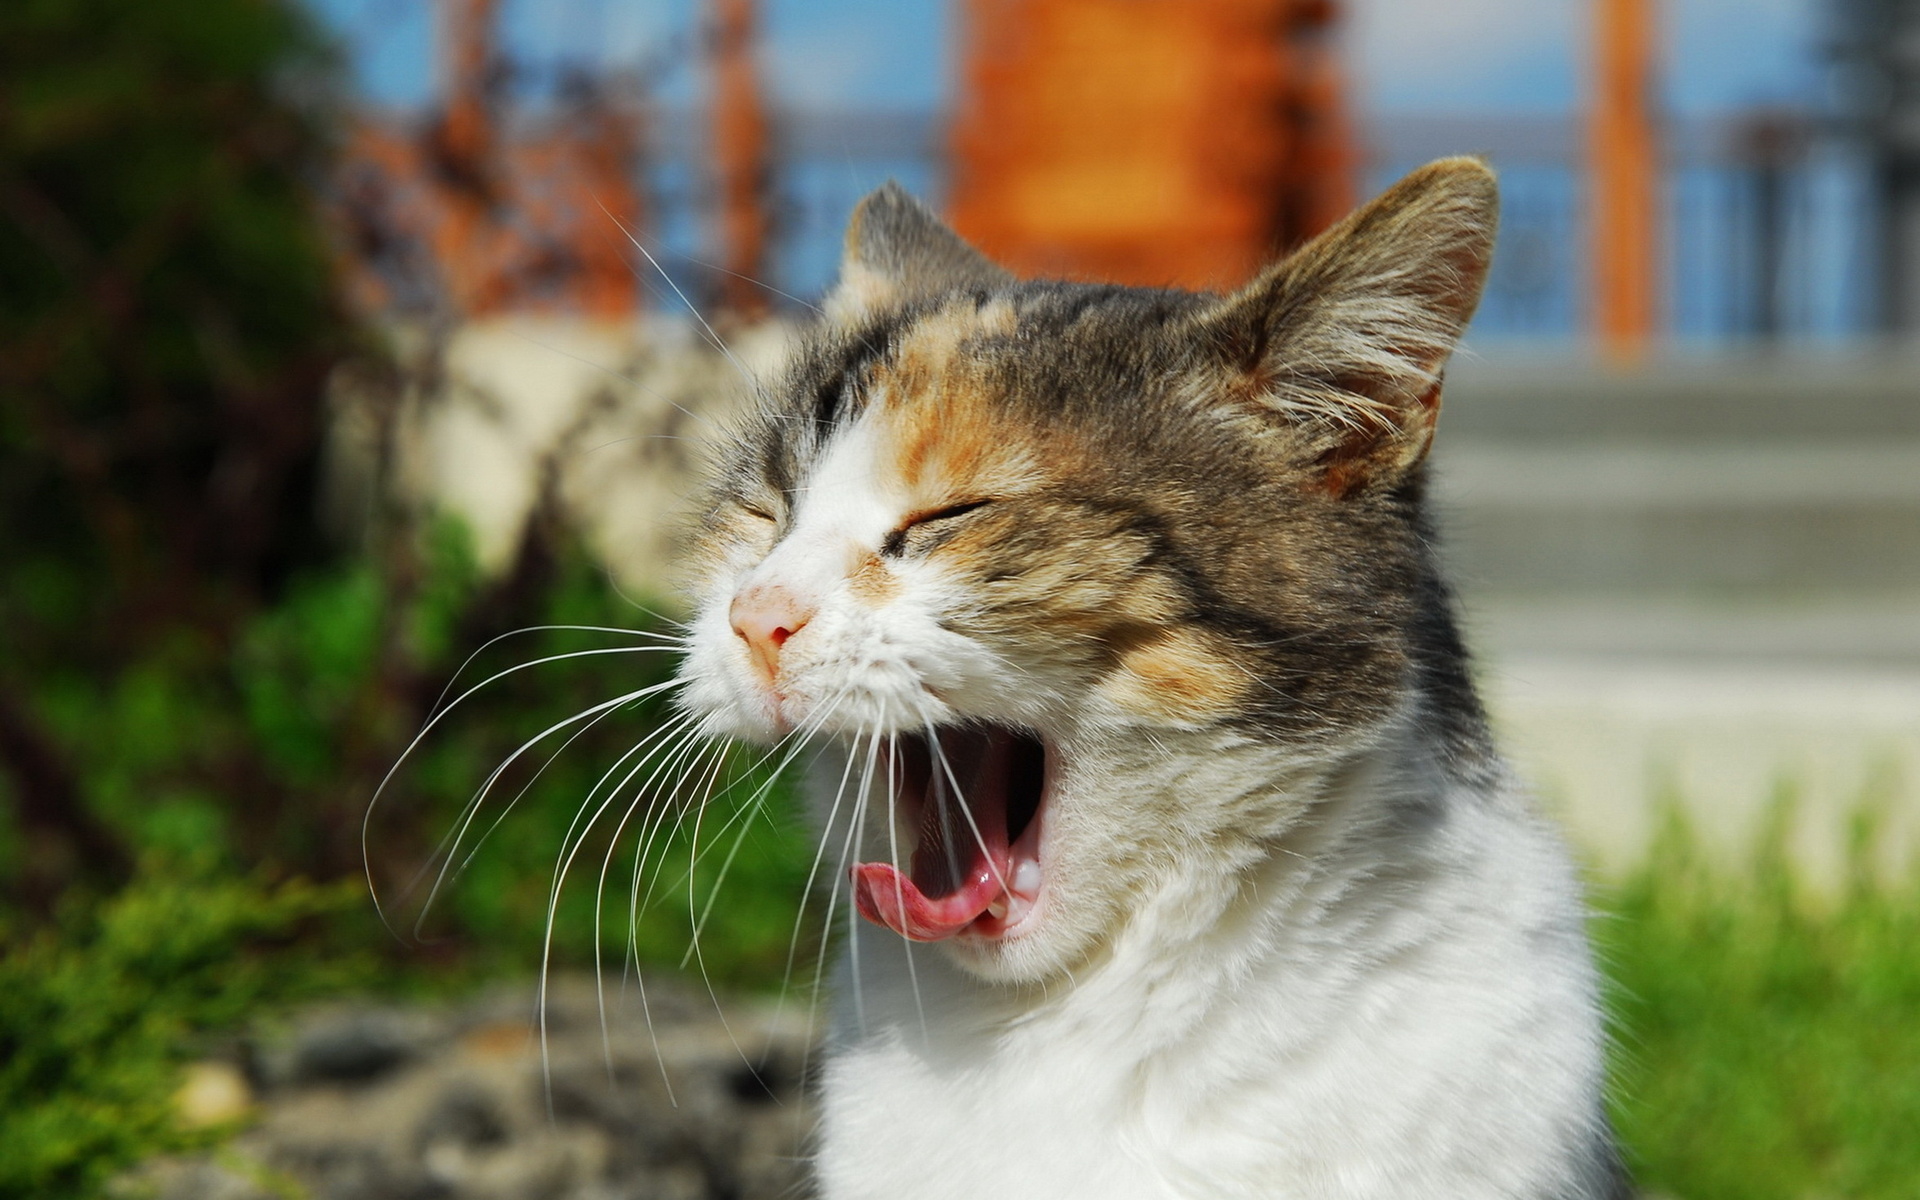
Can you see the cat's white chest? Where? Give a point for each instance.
(1441, 1048)
(899, 1124)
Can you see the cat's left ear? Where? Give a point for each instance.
(898, 251)
(1346, 338)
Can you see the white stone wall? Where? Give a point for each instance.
(622, 415)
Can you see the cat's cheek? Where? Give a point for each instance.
(1178, 678)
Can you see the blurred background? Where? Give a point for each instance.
(350, 348)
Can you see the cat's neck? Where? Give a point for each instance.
(1284, 893)
(1389, 969)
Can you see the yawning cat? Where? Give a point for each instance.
(1116, 617)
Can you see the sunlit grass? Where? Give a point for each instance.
(1768, 1038)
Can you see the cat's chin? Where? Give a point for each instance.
(973, 799)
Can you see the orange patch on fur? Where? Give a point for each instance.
(1176, 675)
(946, 435)
(872, 582)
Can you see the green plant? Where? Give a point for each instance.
(1768, 1039)
(99, 1002)
(167, 323)
(98, 1009)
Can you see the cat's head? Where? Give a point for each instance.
(1033, 542)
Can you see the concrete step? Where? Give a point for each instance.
(1879, 634)
(1569, 516)
(1806, 396)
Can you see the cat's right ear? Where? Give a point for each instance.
(1344, 341)
(898, 251)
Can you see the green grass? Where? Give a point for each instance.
(1767, 1040)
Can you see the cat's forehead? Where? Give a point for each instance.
(983, 363)
(935, 392)
(999, 392)
(1033, 331)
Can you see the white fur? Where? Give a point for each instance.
(1248, 974)
(1348, 1011)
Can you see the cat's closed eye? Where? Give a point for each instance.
(917, 532)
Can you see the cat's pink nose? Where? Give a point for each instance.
(765, 615)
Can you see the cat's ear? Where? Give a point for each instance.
(898, 251)
(1346, 338)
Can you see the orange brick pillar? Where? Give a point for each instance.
(1154, 142)
(740, 148)
(1624, 171)
(465, 158)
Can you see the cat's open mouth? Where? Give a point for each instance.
(975, 801)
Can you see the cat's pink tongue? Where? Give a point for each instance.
(960, 864)
(887, 897)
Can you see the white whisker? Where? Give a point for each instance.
(691, 307)
(813, 868)
(899, 875)
(472, 810)
(853, 909)
(366, 821)
(570, 847)
(966, 809)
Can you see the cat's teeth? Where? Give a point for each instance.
(1026, 877)
(997, 907)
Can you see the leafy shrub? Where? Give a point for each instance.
(98, 1005)
(98, 1010)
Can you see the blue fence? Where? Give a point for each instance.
(1716, 241)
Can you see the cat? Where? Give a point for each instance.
(1187, 863)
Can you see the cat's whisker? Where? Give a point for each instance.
(699, 810)
(691, 762)
(681, 632)
(571, 844)
(691, 307)
(797, 739)
(450, 845)
(855, 839)
(646, 748)
(675, 753)
(752, 807)
(691, 752)
(762, 284)
(833, 891)
(686, 760)
(452, 876)
(819, 855)
(900, 874)
(640, 795)
(629, 380)
(800, 739)
(937, 780)
(966, 810)
(671, 818)
(366, 821)
(699, 959)
(496, 639)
